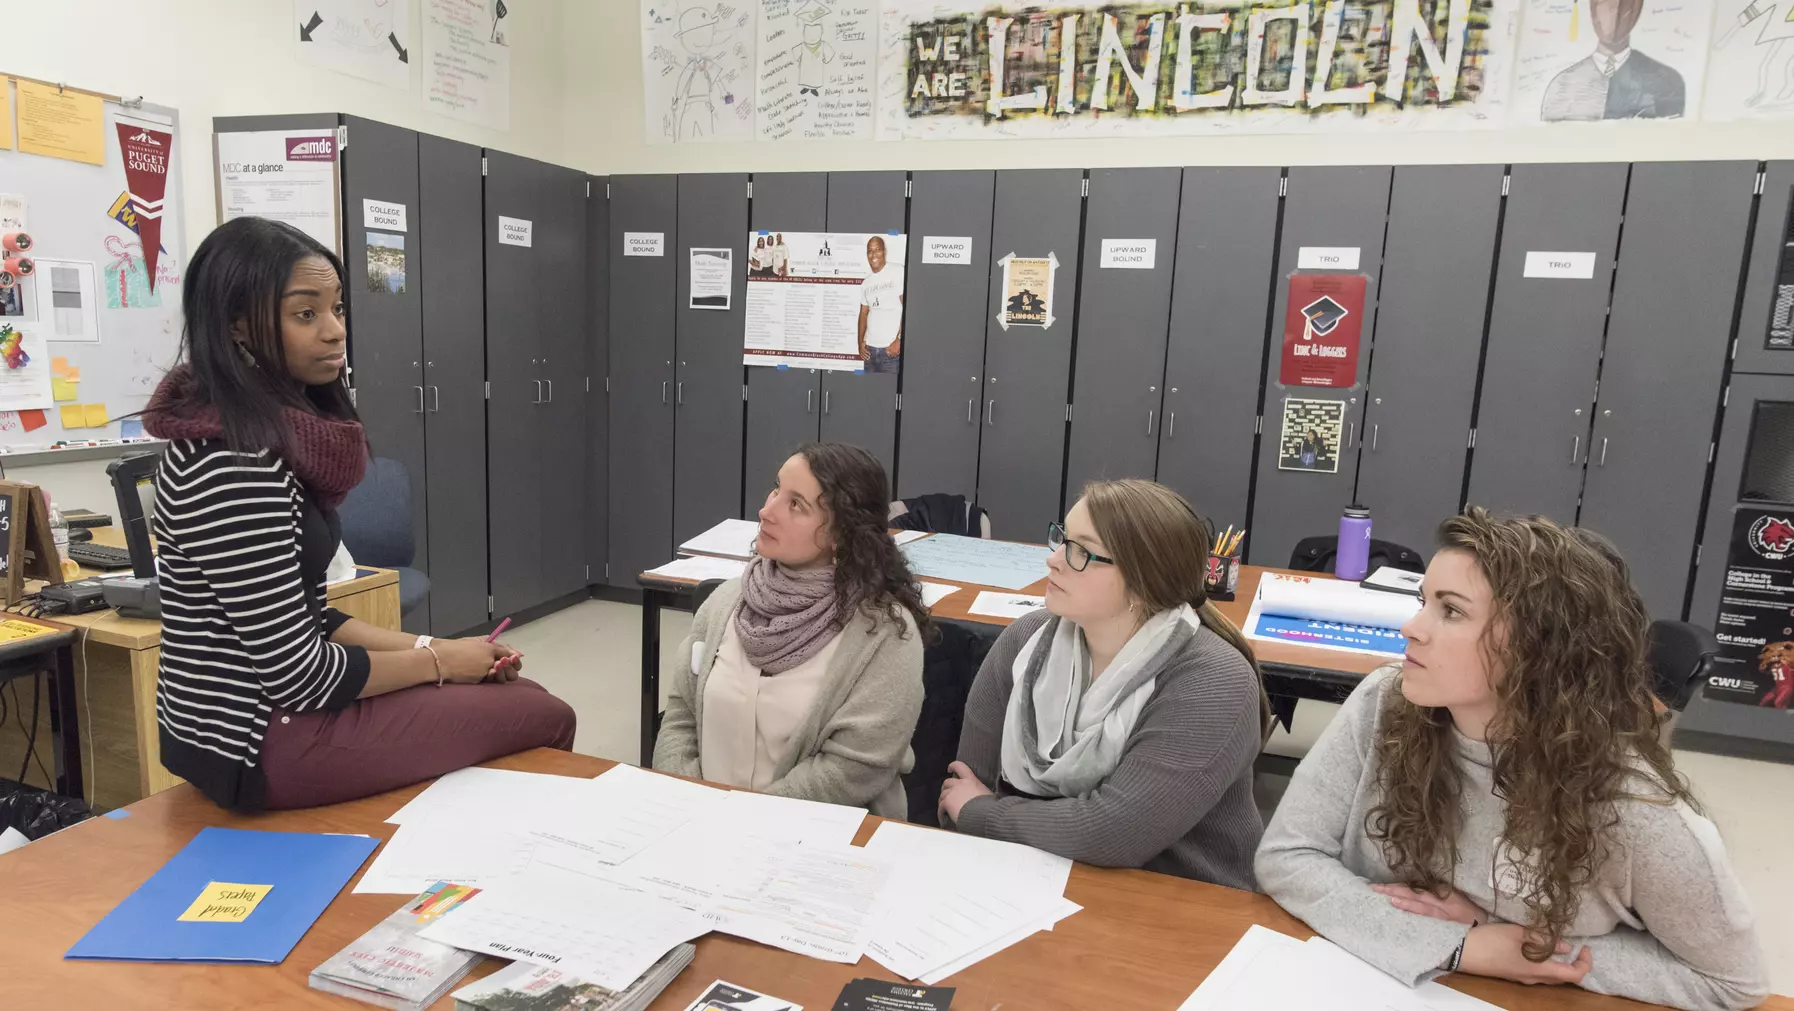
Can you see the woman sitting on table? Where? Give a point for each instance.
(1119, 725)
(803, 678)
(1500, 803)
(266, 697)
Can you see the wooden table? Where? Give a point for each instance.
(1143, 940)
(115, 674)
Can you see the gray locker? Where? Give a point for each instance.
(642, 376)
(1124, 312)
(713, 213)
(560, 245)
(597, 286)
(1326, 208)
(1431, 308)
(1674, 298)
(515, 333)
(943, 343)
(1021, 460)
(784, 405)
(1769, 286)
(1226, 255)
(454, 330)
(860, 408)
(1545, 335)
(1748, 395)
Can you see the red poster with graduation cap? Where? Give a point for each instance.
(145, 151)
(1322, 329)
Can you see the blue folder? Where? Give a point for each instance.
(1327, 633)
(305, 870)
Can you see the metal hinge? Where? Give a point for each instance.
(1258, 425)
(484, 167)
(1697, 553)
(1725, 399)
(744, 393)
(342, 138)
(607, 572)
(588, 197)
(1086, 188)
(488, 389)
(1505, 180)
(1761, 178)
(1711, 446)
(1734, 349)
(588, 573)
(906, 188)
(588, 384)
(607, 191)
(352, 402)
(606, 384)
(750, 189)
(900, 403)
(1067, 412)
(1283, 186)
(1473, 438)
(488, 605)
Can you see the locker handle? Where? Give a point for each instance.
(1351, 433)
(1149, 416)
(435, 399)
(809, 401)
(1375, 430)
(663, 393)
(420, 399)
(970, 402)
(1171, 425)
(538, 383)
(550, 399)
(1575, 449)
(1603, 451)
(679, 394)
(990, 412)
(825, 400)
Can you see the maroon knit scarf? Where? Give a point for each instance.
(329, 456)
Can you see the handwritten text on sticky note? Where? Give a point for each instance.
(223, 902)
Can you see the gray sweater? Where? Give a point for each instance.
(1665, 919)
(1180, 801)
(855, 744)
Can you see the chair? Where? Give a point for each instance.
(1316, 554)
(949, 666)
(1681, 657)
(376, 518)
(940, 514)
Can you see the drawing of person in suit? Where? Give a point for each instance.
(694, 100)
(1615, 81)
(1778, 28)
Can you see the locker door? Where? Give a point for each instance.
(641, 376)
(860, 408)
(1434, 300)
(943, 344)
(448, 232)
(561, 438)
(386, 315)
(1124, 312)
(1545, 335)
(1766, 329)
(597, 291)
(1226, 257)
(515, 322)
(1674, 298)
(784, 405)
(1331, 212)
(1027, 374)
(713, 213)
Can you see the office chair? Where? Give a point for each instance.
(1681, 656)
(1316, 554)
(376, 518)
(940, 514)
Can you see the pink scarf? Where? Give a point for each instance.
(786, 615)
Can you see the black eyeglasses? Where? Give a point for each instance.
(1077, 555)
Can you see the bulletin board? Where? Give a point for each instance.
(88, 316)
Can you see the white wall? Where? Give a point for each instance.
(602, 51)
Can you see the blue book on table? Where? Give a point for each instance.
(230, 895)
(1328, 633)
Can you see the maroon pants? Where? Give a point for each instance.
(404, 737)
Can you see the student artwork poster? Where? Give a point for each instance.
(825, 300)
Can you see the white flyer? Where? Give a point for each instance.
(825, 300)
(286, 175)
(712, 278)
(466, 60)
(24, 367)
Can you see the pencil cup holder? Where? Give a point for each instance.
(1223, 577)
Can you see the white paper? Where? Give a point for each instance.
(1560, 77)
(728, 539)
(1749, 66)
(644, 243)
(619, 814)
(11, 839)
(815, 69)
(818, 901)
(902, 537)
(1129, 254)
(466, 60)
(786, 819)
(955, 250)
(382, 214)
(490, 796)
(1256, 975)
(445, 847)
(805, 291)
(590, 929)
(515, 231)
(1327, 258)
(712, 278)
(1572, 266)
(287, 175)
(698, 71)
(68, 301)
(369, 39)
(25, 372)
(724, 994)
(978, 561)
(1005, 605)
(1048, 921)
(13, 216)
(934, 593)
(699, 568)
(1392, 579)
(1334, 600)
(1336, 972)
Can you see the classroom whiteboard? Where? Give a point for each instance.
(80, 214)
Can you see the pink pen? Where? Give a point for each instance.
(499, 630)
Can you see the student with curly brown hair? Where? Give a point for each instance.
(1501, 804)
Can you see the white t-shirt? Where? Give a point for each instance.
(781, 255)
(882, 293)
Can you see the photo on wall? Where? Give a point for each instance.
(386, 263)
(825, 300)
(1311, 435)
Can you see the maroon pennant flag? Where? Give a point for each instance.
(146, 180)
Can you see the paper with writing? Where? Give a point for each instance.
(224, 902)
(980, 562)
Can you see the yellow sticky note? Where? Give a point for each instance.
(59, 367)
(97, 416)
(61, 123)
(62, 389)
(74, 416)
(223, 902)
(5, 115)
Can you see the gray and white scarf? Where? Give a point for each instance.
(786, 615)
(1063, 734)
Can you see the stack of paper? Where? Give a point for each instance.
(934, 593)
(1005, 605)
(728, 539)
(955, 900)
(1268, 971)
(699, 568)
(1329, 614)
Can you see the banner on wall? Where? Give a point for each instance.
(1755, 624)
(825, 300)
(146, 150)
(1322, 330)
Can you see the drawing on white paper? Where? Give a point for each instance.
(368, 39)
(499, 13)
(815, 76)
(1593, 60)
(467, 61)
(696, 60)
(1752, 62)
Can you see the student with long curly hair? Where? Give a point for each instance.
(1501, 803)
(803, 678)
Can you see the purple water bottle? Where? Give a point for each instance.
(1353, 558)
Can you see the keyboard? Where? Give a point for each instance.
(100, 556)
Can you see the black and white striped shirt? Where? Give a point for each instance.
(244, 626)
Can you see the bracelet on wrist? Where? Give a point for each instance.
(423, 642)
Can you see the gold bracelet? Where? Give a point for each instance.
(435, 660)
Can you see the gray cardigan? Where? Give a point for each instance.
(1180, 801)
(1665, 919)
(855, 744)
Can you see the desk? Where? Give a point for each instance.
(1144, 941)
(115, 675)
(49, 652)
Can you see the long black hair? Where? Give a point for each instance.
(869, 570)
(239, 275)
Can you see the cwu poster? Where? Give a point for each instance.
(1755, 624)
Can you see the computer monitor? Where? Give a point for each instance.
(134, 484)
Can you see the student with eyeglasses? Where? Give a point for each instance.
(1118, 726)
